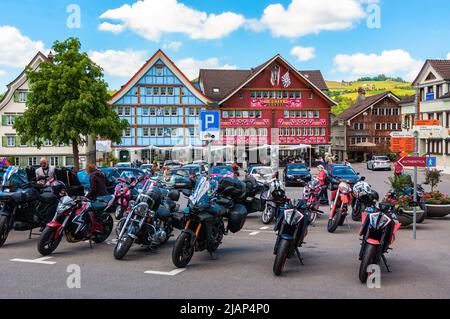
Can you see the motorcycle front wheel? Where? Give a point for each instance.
(47, 242)
(367, 260)
(183, 250)
(267, 215)
(357, 212)
(4, 229)
(334, 223)
(281, 257)
(122, 247)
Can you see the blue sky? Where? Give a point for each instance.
(330, 35)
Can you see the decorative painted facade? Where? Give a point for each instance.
(273, 104)
(162, 107)
(13, 105)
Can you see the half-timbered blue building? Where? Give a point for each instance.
(162, 106)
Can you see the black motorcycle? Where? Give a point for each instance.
(208, 205)
(291, 228)
(149, 222)
(24, 206)
(273, 197)
(363, 197)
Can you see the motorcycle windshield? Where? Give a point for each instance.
(64, 204)
(202, 191)
(14, 177)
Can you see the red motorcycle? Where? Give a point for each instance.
(342, 199)
(79, 219)
(312, 193)
(379, 226)
(123, 196)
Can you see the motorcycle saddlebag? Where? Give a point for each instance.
(230, 187)
(236, 218)
(255, 205)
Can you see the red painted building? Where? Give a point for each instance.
(271, 104)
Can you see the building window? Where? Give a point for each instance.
(127, 111)
(145, 132)
(9, 120)
(323, 131)
(311, 95)
(224, 114)
(358, 126)
(32, 161)
(145, 111)
(258, 114)
(152, 132)
(22, 97)
(160, 132)
(152, 111)
(166, 111)
(174, 111)
(191, 132)
(48, 143)
(120, 111)
(194, 111)
(127, 132)
(11, 141)
(54, 161)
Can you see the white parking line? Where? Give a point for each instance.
(41, 260)
(162, 273)
(254, 233)
(265, 227)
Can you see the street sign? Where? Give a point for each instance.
(431, 161)
(427, 122)
(413, 161)
(402, 144)
(402, 134)
(210, 125)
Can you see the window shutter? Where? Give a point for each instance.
(4, 120)
(17, 141)
(16, 97)
(4, 141)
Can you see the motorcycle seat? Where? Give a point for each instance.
(49, 198)
(99, 205)
(162, 212)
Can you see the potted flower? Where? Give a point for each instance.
(437, 204)
(405, 210)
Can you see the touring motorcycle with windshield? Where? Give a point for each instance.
(208, 205)
(379, 226)
(24, 205)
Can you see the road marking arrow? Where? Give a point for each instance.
(42, 260)
(163, 273)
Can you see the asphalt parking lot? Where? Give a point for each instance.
(243, 269)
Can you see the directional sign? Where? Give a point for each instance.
(431, 161)
(210, 125)
(402, 134)
(427, 122)
(402, 144)
(411, 161)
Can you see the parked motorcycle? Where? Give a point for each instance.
(208, 205)
(79, 219)
(409, 191)
(291, 228)
(363, 197)
(379, 226)
(312, 193)
(342, 198)
(149, 223)
(123, 194)
(273, 197)
(24, 206)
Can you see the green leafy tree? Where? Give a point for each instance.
(68, 102)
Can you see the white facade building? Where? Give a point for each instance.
(12, 105)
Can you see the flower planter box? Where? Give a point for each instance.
(406, 217)
(437, 211)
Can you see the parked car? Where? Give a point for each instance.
(296, 174)
(147, 168)
(343, 173)
(182, 178)
(124, 164)
(262, 174)
(111, 173)
(198, 169)
(172, 165)
(379, 163)
(219, 172)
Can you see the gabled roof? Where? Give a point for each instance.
(21, 79)
(229, 82)
(408, 100)
(362, 106)
(147, 66)
(442, 67)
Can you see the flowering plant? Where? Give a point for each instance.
(436, 198)
(402, 202)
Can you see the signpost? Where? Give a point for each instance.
(209, 131)
(413, 161)
(431, 161)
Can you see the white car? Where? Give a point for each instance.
(262, 174)
(379, 163)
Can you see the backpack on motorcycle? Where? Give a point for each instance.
(230, 187)
(236, 218)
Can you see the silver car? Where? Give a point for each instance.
(379, 163)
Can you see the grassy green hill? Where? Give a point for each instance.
(346, 93)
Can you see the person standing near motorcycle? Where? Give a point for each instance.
(45, 174)
(322, 176)
(98, 182)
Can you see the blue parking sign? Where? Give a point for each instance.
(209, 121)
(431, 162)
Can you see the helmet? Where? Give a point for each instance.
(314, 184)
(362, 188)
(277, 189)
(58, 188)
(344, 188)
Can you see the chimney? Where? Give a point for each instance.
(361, 95)
(50, 56)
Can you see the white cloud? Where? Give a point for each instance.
(109, 27)
(191, 67)
(145, 18)
(119, 63)
(174, 45)
(448, 56)
(304, 17)
(392, 63)
(2, 73)
(303, 54)
(16, 50)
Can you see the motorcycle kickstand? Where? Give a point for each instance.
(213, 257)
(90, 243)
(385, 263)
(299, 256)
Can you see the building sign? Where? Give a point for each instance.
(309, 140)
(302, 122)
(245, 122)
(243, 140)
(402, 144)
(427, 122)
(282, 103)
